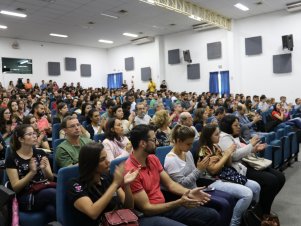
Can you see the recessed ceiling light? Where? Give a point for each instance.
(12, 13)
(130, 35)
(109, 15)
(195, 17)
(241, 7)
(152, 2)
(58, 35)
(106, 41)
(3, 27)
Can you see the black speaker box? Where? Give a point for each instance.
(288, 42)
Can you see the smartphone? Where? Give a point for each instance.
(209, 189)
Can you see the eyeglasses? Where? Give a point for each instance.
(153, 139)
(74, 126)
(31, 134)
(7, 113)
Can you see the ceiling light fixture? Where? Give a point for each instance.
(3, 27)
(106, 41)
(13, 13)
(58, 35)
(130, 35)
(195, 17)
(241, 7)
(152, 2)
(108, 15)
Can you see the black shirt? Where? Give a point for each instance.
(14, 161)
(76, 190)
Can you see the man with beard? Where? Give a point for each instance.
(146, 190)
(38, 111)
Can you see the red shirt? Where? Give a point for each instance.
(148, 178)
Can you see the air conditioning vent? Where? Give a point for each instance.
(203, 26)
(143, 40)
(293, 7)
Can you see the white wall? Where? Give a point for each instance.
(146, 55)
(256, 71)
(42, 53)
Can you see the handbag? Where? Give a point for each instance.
(230, 174)
(121, 217)
(256, 162)
(270, 220)
(38, 186)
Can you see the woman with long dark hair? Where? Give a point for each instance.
(243, 193)
(95, 191)
(116, 144)
(270, 180)
(27, 166)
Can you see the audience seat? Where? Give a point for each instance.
(64, 211)
(55, 144)
(116, 162)
(55, 132)
(161, 152)
(99, 137)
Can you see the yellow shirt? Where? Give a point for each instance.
(151, 87)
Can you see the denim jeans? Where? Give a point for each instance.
(243, 193)
(200, 216)
(158, 221)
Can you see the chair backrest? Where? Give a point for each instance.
(85, 123)
(116, 162)
(161, 153)
(151, 112)
(54, 146)
(55, 132)
(99, 137)
(194, 148)
(64, 211)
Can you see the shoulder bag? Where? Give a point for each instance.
(256, 162)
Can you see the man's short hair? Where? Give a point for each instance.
(65, 120)
(139, 133)
(219, 110)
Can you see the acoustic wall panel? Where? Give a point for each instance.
(70, 64)
(85, 70)
(214, 50)
(282, 63)
(146, 73)
(54, 68)
(174, 56)
(253, 45)
(193, 71)
(129, 64)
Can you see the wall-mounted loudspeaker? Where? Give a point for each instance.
(15, 45)
(186, 54)
(288, 42)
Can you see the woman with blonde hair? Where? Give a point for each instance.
(162, 121)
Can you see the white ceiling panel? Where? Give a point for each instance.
(71, 17)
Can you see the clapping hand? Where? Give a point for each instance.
(203, 163)
(130, 176)
(199, 195)
(260, 147)
(33, 165)
(44, 163)
(188, 202)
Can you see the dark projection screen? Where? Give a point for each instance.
(16, 66)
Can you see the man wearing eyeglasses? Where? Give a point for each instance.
(149, 199)
(68, 151)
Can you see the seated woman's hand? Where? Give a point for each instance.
(203, 164)
(260, 147)
(130, 176)
(198, 194)
(44, 163)
(118, 175)
(33, 166)
(254, 140)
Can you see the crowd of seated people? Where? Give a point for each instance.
(117, 113)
